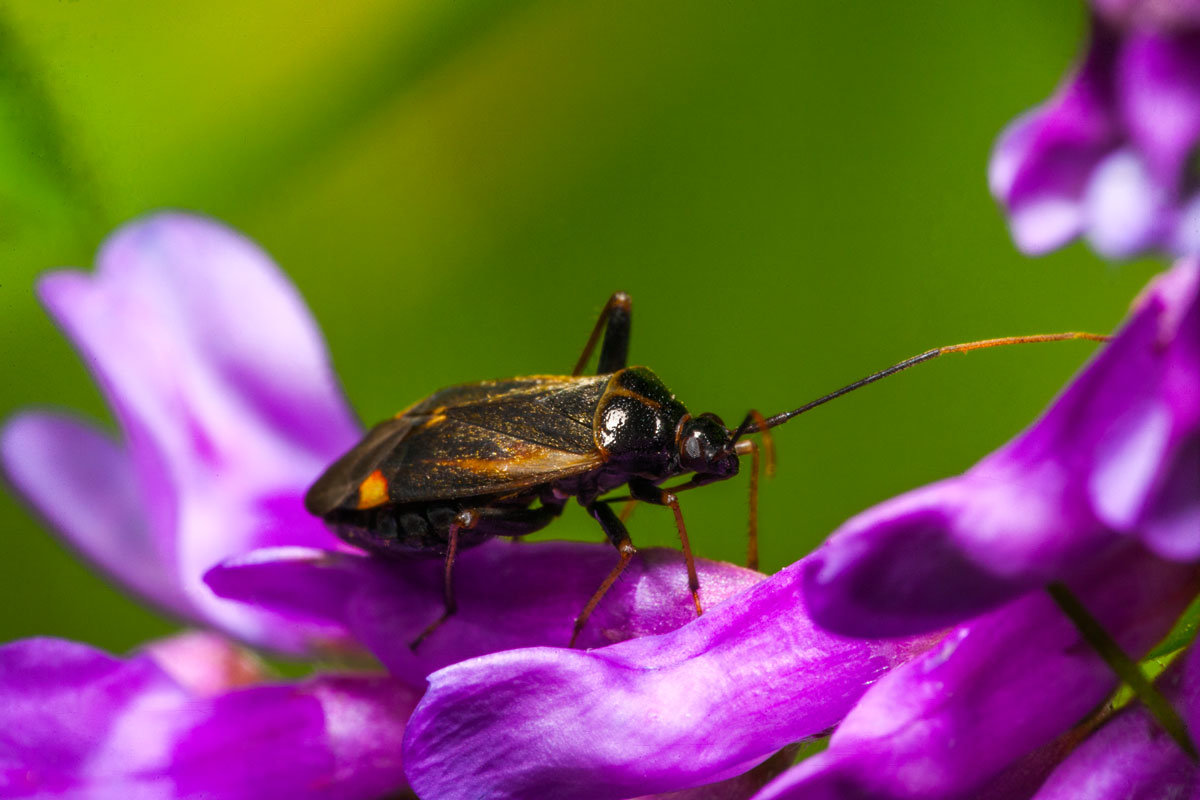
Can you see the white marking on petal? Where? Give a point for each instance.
(1043, 225)
(1128, 462)
(1123, 209)
(1185, 240)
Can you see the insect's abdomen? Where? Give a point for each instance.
(419, 529)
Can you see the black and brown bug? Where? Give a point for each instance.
(503, 457)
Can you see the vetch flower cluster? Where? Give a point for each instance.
(1111, 155)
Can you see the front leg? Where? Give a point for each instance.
(642, 489)
(615, 320)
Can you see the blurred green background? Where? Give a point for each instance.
(794, 194)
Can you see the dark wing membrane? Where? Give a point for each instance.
(492, 437)
(567, 394)
(338, 487)
(457, 459)
(497, 437)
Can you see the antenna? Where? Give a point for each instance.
(754, 423)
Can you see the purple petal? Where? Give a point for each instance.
(1170, 529)
(654, 714)
(59, 703)
(1041, 225)
(945, 552)
(83, 484)
(1108, 459)
(328, 737)
(831, 776)
(77, 722)
(1042, 162)
(510, 594)
(1185, 239)
(206, 663)
(996, 689)
(1130, 757)
(1125, 210)
(223, 390)
(739, 787)
(1159, 94)
(1141, 482)
(1157, 15)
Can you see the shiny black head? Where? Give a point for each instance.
(705, 447)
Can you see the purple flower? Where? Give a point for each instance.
(509, 594)
(1129, 757)
(655, 714)
(227, 410)
(994, 702)
(222, 389)
(1101, 493)
(80, 723)
(1111, 154)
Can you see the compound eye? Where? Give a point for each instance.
(693, 446)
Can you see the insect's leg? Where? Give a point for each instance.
(614, 529)
(615, 320)
(742, 448)
(748, 446)
(465, 520)
(642, 489)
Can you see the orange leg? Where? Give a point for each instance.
(748, 447)
(742, 448)
(648, 492)
(614, 529)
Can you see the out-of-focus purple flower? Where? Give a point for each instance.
(80, 723)
(1102, 493)
(1160, 15)
(1110, 155)
(228, 409)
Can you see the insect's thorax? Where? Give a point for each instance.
(636, 423)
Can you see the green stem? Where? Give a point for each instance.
(1125, 667)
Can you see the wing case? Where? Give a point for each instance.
(492, 437)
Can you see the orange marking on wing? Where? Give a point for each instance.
(408, 408)
(373, 491)
(521, 463)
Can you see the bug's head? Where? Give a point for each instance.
(705, 447)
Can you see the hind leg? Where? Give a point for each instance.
(615, 320)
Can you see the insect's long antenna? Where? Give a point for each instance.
(750, 424)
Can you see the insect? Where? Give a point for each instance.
(503, 457)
